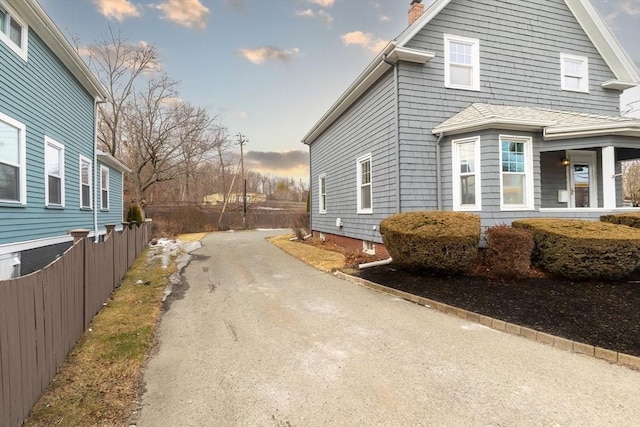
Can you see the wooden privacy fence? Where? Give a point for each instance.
(43, 314)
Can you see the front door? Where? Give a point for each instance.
(582, 179)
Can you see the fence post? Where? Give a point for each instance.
(110, 228)
(79, 235)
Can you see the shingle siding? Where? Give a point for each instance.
(367, 127)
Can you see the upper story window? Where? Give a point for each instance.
(575, 72)
(85, 183)
(13, 174)
(13, 32)
(466, 174)
(365, 204)
(322, 194)
(104, 188)
(461, 62)
(54, 172)
(516, 179)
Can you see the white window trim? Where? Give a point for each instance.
(20, 50)
(322, 207)
(103, 207)
(57, 145)
(359, 161)
(22, 154)
(475, 52)
(584, 78)
(457, 206)
(529, 196)
(86, 159)
(368, 247)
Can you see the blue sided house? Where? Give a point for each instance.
(52, 177)
(507, 109)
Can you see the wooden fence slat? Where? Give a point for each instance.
(40, 336)
(5, 396)
(15, 372)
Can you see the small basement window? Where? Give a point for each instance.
(368, 247)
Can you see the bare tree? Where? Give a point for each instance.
(631, 181)
(157, 124)
(118, 64)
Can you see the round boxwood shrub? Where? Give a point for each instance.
(442, 242)
(584, 250)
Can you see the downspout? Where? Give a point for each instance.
(397, 119)
(438, 172)
(96, 171)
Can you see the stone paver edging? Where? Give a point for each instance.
(532, 334)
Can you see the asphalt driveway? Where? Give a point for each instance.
(261, 339)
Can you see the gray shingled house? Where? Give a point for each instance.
(507, 109)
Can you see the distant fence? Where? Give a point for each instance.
(43, 314)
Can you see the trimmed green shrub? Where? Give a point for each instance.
(508, 252)
(442, 242)
(134, 214)
(583, 250)
(631, 219)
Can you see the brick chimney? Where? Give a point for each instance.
(415, 10)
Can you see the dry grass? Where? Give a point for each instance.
(99, 381)
(322, 259)
(191, 237)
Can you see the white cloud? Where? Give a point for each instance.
(320, 15)
(383, 18)
(623, 7)
(323, 3)
(365, 40)
(117, 9)
(188, 13)
(262, 54)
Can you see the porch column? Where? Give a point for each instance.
(608, 177)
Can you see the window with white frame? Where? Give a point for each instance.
(13, 32)
(466, 174)
(54, 172)
(368, 247)
(104, 188)
(575, 72)
(461, 62)
(85, 183)
(13, 175)
(365, 204)
(322, 193)
(516, 179)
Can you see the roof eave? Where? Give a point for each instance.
(57, 42)
(618, 85)
(491, 123)
(604, 40)
(572, 132)
(108, 159)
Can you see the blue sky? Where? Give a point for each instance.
(270, 68)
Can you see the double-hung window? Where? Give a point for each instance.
(13, 176)
(85, 183)
(466, 174)
(322, 193)
(461, 62)
(575, 73)
(104, 188)
(13, 32)
(516, 179)
(54, 172)
(365, 203)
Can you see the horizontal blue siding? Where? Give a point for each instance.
(46, 97)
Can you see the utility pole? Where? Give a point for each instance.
(241, 141)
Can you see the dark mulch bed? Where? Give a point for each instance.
(601, 314)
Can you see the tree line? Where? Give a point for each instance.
(176, 151)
